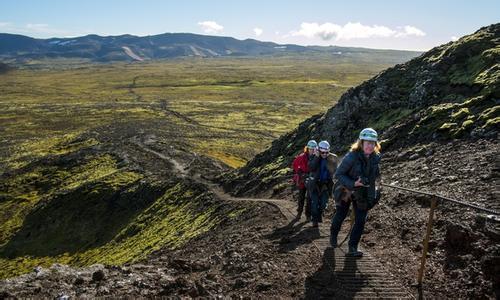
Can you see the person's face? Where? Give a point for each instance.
(368, 147)
(323, 153)
(310, 151)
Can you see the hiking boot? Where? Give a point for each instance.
(333, 241)
(315, 224)
(353, 252)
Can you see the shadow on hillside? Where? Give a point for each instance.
(325, 284)
(85, 218)
(292, 235)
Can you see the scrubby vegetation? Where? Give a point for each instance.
(230, 109)
(73, 190)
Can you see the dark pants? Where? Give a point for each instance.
(319, 199)
(359, 222)
(304, 198)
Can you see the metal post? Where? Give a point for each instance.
(426, 241)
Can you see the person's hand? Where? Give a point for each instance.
(316, 152)
(358, 183)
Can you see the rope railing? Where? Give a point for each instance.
(434, 200)
(462, 203)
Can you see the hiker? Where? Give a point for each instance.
(301, 171)
(322, 166)
(356, 176)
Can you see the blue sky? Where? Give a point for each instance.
(416, 25)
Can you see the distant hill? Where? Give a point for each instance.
(168, 45)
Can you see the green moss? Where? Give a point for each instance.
(446, 117)
(467, 124)
(461, 113)
(227, 158)
(55, 145)
(173, 218)
(490, 113)
(390, 117)
(280, 187)
(22, 192)
(492, 122)
(448, 126)
(467, 74)
(100, 167)
(474, 101)
(269, 168)
(236, 213)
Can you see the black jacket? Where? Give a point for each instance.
(315, 166)
(354, 165)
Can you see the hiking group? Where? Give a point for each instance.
(319, 176)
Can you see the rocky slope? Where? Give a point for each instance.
(241, 258)
(115, 212)
(438, 116)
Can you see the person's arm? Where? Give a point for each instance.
(342, 173)
(336, 164)
(378, 177)
(295, 164)
(377, 170)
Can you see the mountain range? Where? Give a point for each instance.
(168, 45)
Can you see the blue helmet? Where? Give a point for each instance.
(312, 144)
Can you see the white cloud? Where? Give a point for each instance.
(258, 31)
(5, 24)
(211, 27)
(410, 30)
(349, 31)
(454, 38)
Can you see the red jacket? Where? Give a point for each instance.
(300, 169)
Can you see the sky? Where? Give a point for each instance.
(410, 25)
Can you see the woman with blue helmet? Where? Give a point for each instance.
(356, 177)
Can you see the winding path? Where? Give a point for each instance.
(357, 278)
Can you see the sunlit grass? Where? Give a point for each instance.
(54, 118)
(252, 99)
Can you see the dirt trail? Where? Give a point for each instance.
(357, 277)
(256, 253)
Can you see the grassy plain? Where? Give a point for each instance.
(68, 190)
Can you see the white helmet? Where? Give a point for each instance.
(368, 134)
(324, 145)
